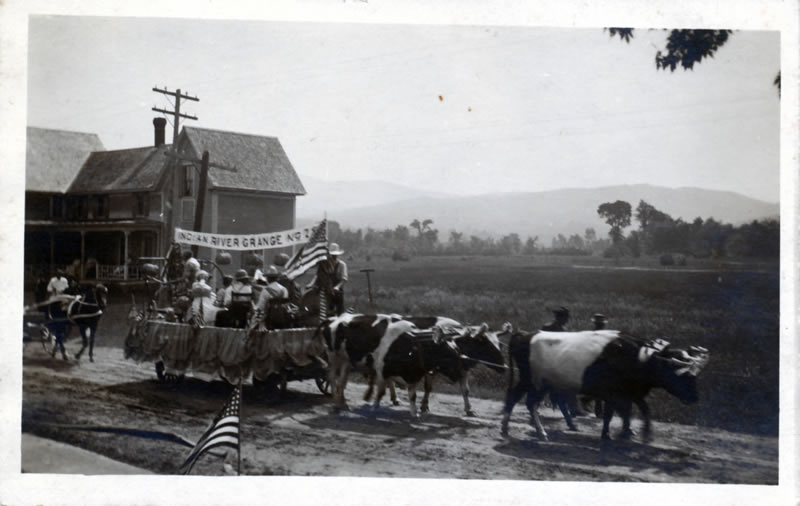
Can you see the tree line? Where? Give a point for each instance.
(657, 233)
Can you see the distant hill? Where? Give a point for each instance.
(334, 196)
(546, 214)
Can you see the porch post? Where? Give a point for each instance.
(52, 254)
(83, 257)
(125, 255)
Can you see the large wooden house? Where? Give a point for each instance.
(113, 210)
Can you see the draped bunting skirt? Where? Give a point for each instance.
(234, 354)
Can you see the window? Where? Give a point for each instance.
(188, 181)
(57, 206)
(101, 206)
(187, 209)
(77, 207)
(141, 205)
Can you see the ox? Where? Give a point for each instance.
(475, 344)
(604, 364)
(408, 353)
(351, 340)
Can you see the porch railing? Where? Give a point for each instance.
(103, 272)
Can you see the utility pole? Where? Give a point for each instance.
(176, 113)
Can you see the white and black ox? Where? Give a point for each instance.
(388, 347)
(604, 364)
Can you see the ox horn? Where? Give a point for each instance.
(437, 335)
(692, 364)
(480, 330)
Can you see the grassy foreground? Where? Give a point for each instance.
(731, 309)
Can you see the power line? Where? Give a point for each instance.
(176, 114)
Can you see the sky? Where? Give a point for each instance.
(457, 109)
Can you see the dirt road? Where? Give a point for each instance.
(296, 434)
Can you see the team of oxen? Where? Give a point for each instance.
(609, 366)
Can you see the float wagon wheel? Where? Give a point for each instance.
(323, 384)
(47, 338)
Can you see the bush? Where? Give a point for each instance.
(667, 259)
(398, 256)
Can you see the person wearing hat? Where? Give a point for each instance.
(191, 266)
(331, 277)
(599, 321)
(239, 298)
(202, 309)
(272, 296)
(559, 323)
(227, 279)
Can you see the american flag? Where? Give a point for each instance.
(224, 431)
(310, 253)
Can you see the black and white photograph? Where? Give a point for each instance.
(471, 250)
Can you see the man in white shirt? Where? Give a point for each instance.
(58, 284)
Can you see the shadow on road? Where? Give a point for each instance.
(46, 361)
(195, 395)
(588, 449)
(395, 423)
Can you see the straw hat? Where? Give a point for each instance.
(272, 272)
(333, 249)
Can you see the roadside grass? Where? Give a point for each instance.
(730, 308)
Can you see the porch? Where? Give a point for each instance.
(90, 252)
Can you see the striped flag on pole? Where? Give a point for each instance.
(310, 253)
(224, 431)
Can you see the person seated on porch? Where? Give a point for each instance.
(73, 271)
(90, 269)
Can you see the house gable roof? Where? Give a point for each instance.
(54, 157)
(135, 169)
(261, 163)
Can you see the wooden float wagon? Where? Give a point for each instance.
(265, 358)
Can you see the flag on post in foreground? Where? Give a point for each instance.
(310, 253)
(224, 431)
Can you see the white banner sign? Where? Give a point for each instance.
(241, 242)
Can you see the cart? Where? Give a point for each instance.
(265, 358)
(35, 328)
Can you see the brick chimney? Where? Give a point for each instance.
(159, 125)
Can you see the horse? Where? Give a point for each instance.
(85, 312)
